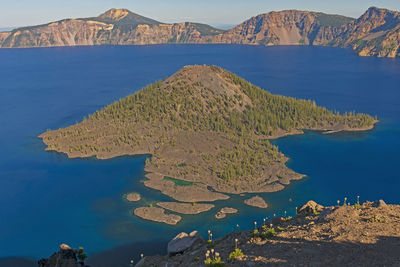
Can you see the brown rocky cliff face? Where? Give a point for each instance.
(116, 26)
(79, 32)
(376, 33)
(157, 34)
(62, 33)
(3, 36)
(291, 27)
(372, 24)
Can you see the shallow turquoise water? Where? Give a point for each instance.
(47, 199)
(177, 181)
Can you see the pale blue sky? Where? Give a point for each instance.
(32, 12)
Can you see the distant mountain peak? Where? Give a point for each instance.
(115, 14)
(125, 16)
(377, 11)
(383, 18)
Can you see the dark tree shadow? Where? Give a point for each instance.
(300, 252)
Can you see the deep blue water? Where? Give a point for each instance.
(47, 199)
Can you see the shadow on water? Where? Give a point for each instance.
(17, 262)
(116, 257)
(122, 255)
(385, 252)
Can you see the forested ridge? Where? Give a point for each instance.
(232, 118)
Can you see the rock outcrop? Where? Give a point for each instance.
(66, 257)
(379, 204)
(183, 242)
(310, 208)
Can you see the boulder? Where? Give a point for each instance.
(65, 247)
(310, 208)
(379, 204)
(183, 242)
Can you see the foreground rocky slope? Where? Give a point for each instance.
(375, 33)
(357, 235)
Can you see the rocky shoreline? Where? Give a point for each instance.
(256, 201)
(198, 192)
(201, 193)
(221, 214)
(191, 165)
(186, 208)
(156, 214)
(133, 197)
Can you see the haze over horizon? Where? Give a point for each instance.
(216, 13)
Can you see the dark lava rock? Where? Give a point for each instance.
(66, 257)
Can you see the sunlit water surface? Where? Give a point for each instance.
(47, 199)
